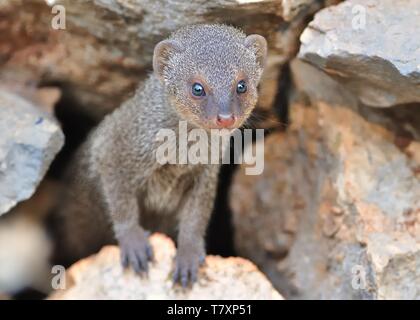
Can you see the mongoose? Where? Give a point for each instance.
(204, 74)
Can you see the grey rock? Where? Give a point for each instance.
(101, 277)
(107, 46)
(336, 212)
(30, 139)
(292, 8)
(372, 47)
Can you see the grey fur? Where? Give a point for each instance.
(115, 181)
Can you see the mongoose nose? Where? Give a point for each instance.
(225, 120)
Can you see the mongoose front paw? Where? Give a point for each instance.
(187, 262)
(136, 250)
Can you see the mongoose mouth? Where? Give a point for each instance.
(225, 120)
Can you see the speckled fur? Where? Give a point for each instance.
(115, 181)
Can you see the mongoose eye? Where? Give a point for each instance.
(241, 87)
(198, 90)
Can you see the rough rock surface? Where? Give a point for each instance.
(102, 277)
(336, 213)
(372, 46)
(30, 139)
(106, 47)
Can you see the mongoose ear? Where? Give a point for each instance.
(161, 54)
(258, 45)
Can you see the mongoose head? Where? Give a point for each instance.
(210, 73)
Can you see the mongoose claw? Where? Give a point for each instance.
(187, 263)
(136, 250)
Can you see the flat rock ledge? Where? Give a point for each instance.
(101, 277)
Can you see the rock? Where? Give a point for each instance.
(102, 277)
(372, 47)
(25, 248)
(336, 213)
(112, 41)
(292, 8)
(30, 140)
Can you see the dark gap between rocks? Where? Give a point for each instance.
(75, 125)
(220, 234)
(281, 101)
